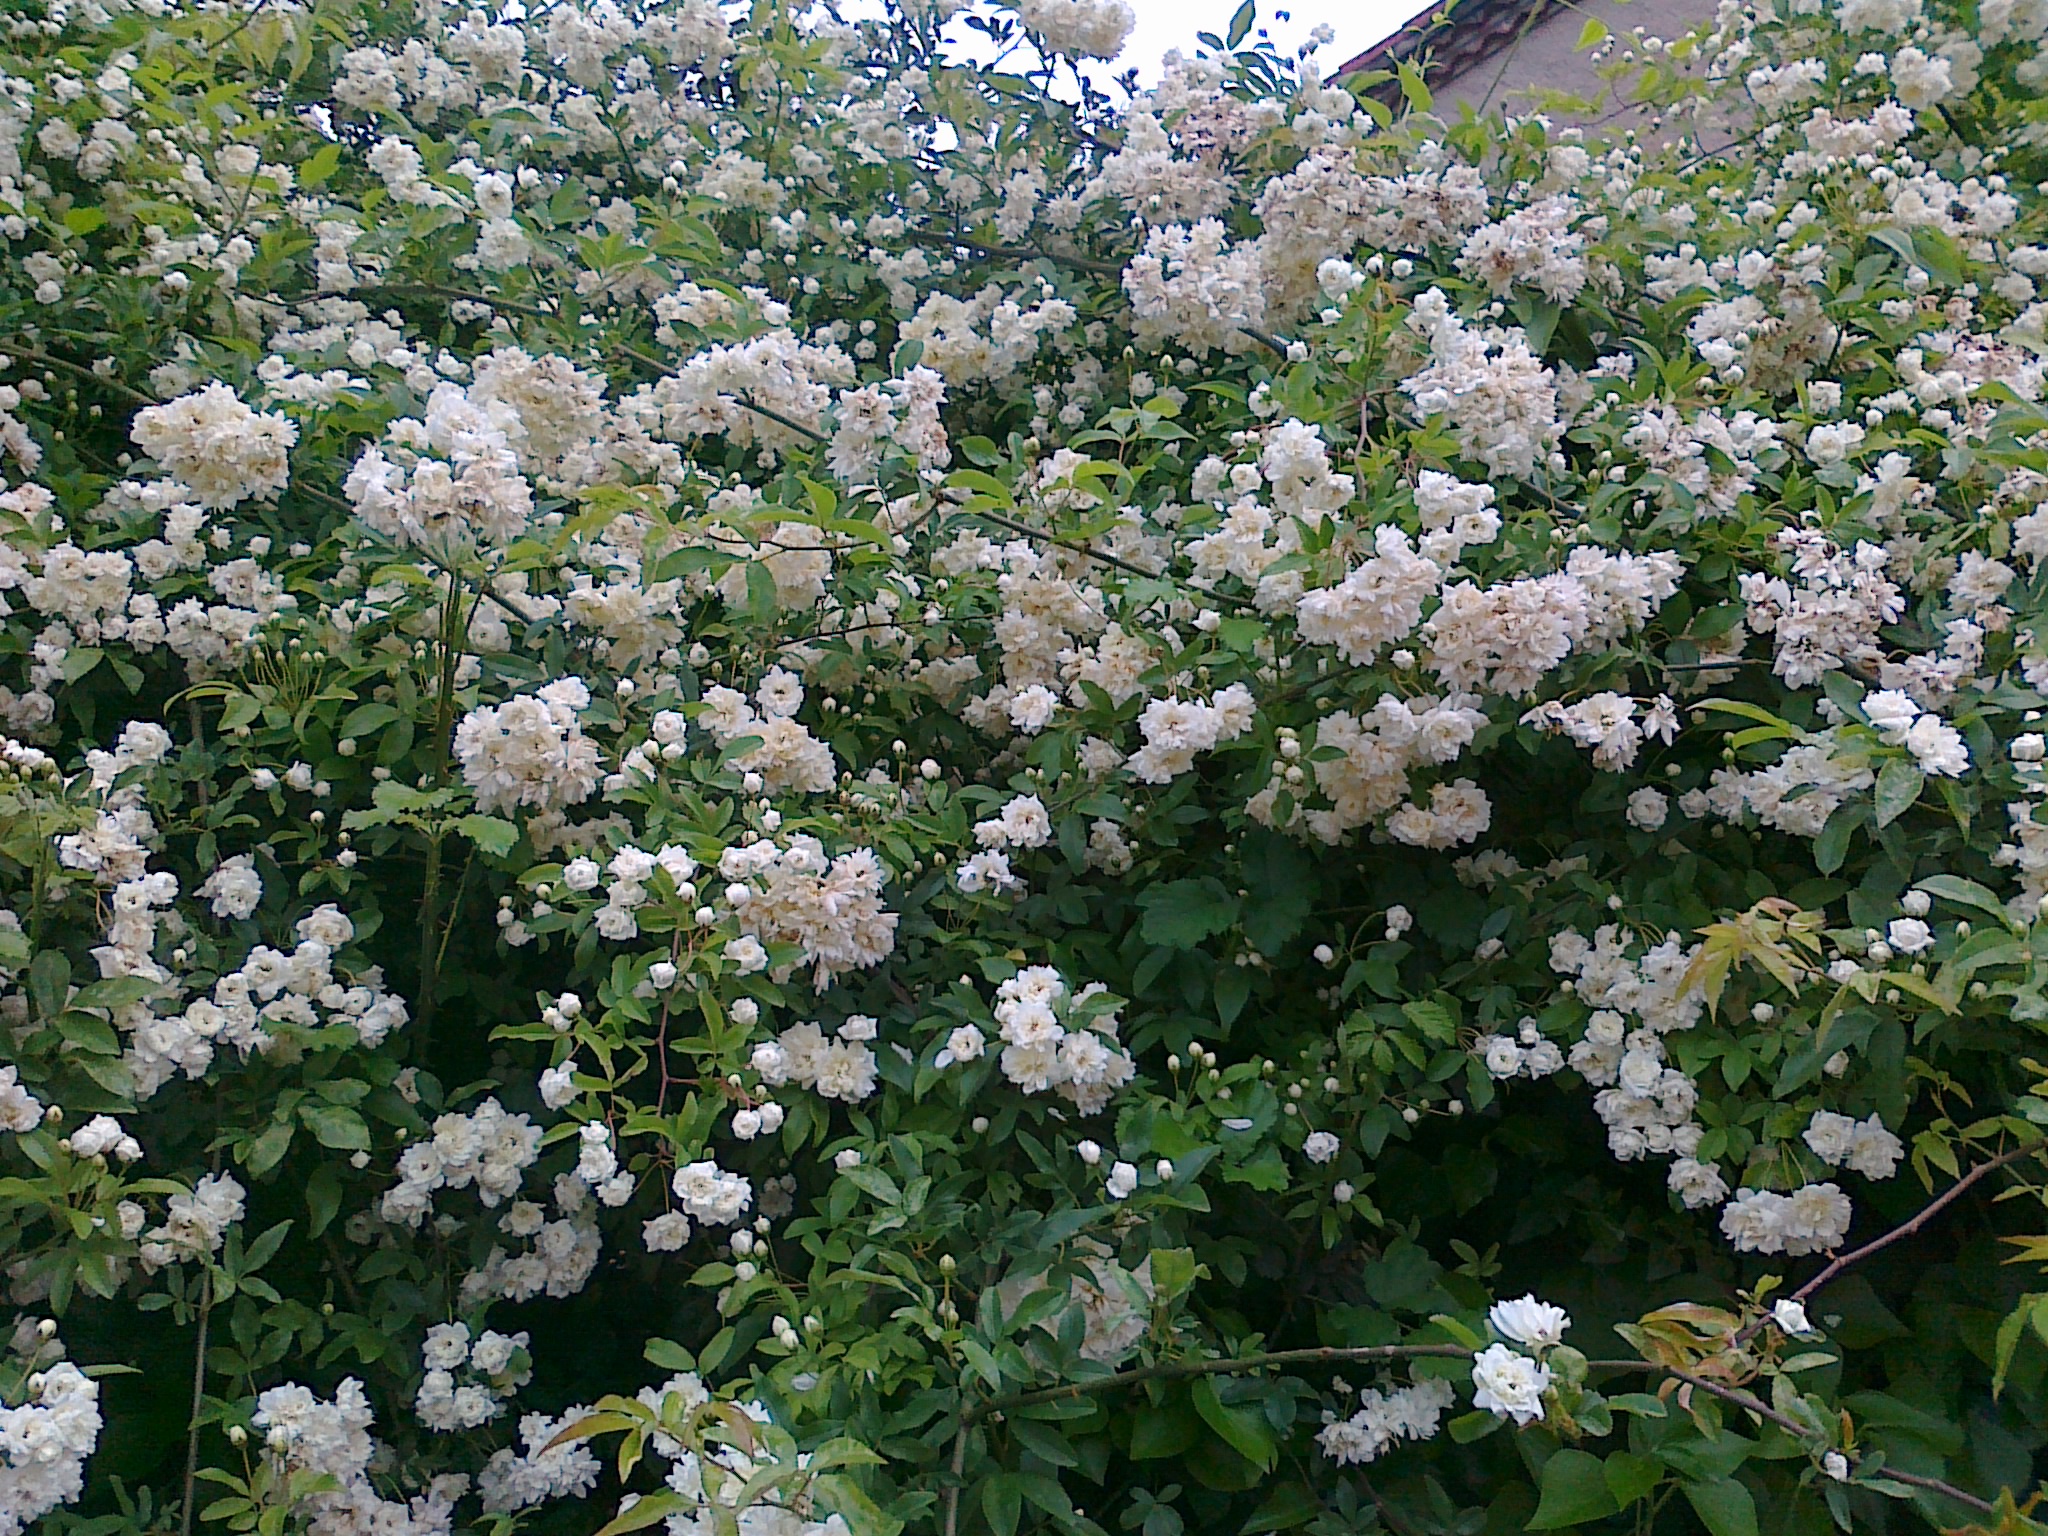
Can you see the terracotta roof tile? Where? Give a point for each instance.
(1451, 37)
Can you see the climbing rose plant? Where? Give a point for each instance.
(758, 781)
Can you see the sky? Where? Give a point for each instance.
(1164, 24)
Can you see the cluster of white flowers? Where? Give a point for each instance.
(1385, 1415)
(496, 1364)
(789, 757)
(1493, 392)
(196, 1224)
(840, 1067)
(332, 1439)
(1864, 1146)
(1176, 729)
(45, 1438)
(1053, 1038)
(1606, 724)
(1506, 1382)
(451, 481)
(540, 1470)
(271, 996)
(488, 1148)
(710, 1195)
(829, 908)
(220, 450)
(1830, 621)
(1022, 823)
(1365, 772)
(1812, 1219)
(1081, 29)
(1645, 1103)
(1795, 794)
(1937, 746)
(530, 750)
(626, 877)
(1523, 1054)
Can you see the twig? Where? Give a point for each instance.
(776, 416)
(1936, 1485)
(533, 311)
(198, 1402)
(1107, 559)
(741, 400)
(1264, 340)
(953, 1488)
(1183, 1370)
(1906, 1229)
(1090, 551)
(1751, 1404)
(19, 354)
(1016, 252)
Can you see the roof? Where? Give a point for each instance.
(1451, 37)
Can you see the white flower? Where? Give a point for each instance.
(1509, 1385)
(1791, 1317)
(1529, 1322)
(1908, 935)
(1320, 1147)
(557, 1085)
(1123, 1181)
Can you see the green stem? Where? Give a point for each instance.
(453, 627)
(198, 1401)
(1181, 1370)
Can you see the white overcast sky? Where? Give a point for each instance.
(1164, 24)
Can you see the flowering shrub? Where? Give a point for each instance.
(757, 782)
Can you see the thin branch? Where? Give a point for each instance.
(1936, 1485)
(1183, 1370)
(1264, 340)
(1762, 1410)
(198, 1402)
(20, 354)
(758, 409)
(1906, 1229)
(953, 1488)
(1016, 252)
(533, 311)
(1052, 538)
(776, 416)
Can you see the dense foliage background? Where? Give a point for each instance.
(760, 782)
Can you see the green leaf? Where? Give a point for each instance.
(323, 1198)
(1174, 1272)
(1724, 1506)
(1631, 1477)
(1964, 893)
(1044, 1442)
(652, 1509)
(1591, 35)
(667, 1355)
(1244, 1430)
(1002, 1500)
(1241, 23)
(493, 834)
(1160, 1432)
(1180, 914)
(1574, 1491)
(319, 165)
(337, 1126)
(83, 221)
(1233, 989)
(1282, 881)
(1898, 786)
